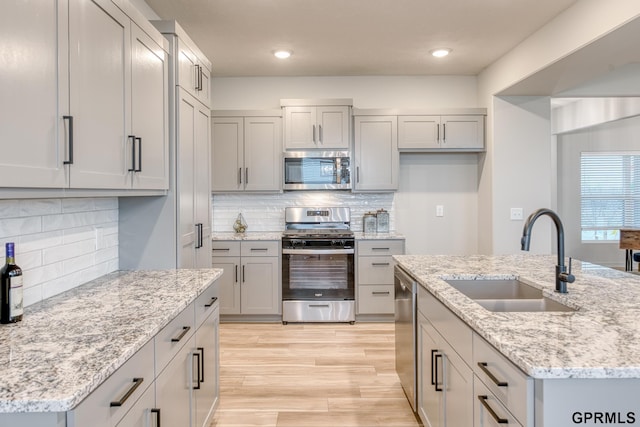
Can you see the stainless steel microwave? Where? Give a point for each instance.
(317, 170)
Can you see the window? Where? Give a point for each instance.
(610, 194)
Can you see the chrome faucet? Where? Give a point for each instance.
(562, 276)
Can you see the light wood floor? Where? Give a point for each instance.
(310, 375)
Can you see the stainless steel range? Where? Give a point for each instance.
(318, 265)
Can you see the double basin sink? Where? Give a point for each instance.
(509, 295)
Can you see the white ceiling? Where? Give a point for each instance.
(356, 37)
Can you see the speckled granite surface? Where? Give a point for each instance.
(600, 340)
(378, 236)
(69, 344)
(266, 235)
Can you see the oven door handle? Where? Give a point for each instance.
(317, 251)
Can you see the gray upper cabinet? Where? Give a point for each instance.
(247, 151)
(316, 124)
(436, 132)
(377, 161)
(90, 96)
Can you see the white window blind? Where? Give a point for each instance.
(610, 194)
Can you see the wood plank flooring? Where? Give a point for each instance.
(306, 375)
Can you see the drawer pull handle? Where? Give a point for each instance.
(483, 400)
(185, 329)
(319, 305)
(259, 249)
(380, 293)
(379, 249)
(380, 264)
(221, 249)
(136, 384)
(483, 366)
(157, 412)
(213, 300)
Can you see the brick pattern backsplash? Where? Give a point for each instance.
(265, 212)
(60, 243)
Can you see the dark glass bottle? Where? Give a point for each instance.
(11, 307)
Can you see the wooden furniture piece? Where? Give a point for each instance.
(629, 240)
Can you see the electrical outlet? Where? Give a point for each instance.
(516, 214)
(439, 210)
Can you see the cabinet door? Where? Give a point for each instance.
(204, 88)
(458, 390)
(174, 388)
(187, 116)
(187, 70)
(149, 112)
(229, 284)
(227, 154)
(462, 132)
(100, 79)
(430, 400)
(31, 126)
(333, 127)
(300, 128)
(376, 147)
(418, 132)
(262, 153)
(260, 288)
(207, 395)
(202, 186)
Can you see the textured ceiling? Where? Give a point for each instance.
(356, 37)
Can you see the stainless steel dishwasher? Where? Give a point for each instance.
(405, 289)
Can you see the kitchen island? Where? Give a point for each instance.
(579, 365)
(67, 346)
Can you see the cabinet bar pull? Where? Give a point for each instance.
(133, 153)
(246, 176)
(483, 366)
(236, 273)
(483, 400)
(139, 139)
(197, 356)
(259, 249)
(136, 384)
(239, 175)
(201, 378)
(157, 412)
(438, 132)
(70, 161)
(185, 329)
(358, 174)
(314, 133)
(444, 132)
(199, 237)
(213, 300)
(383, 264)
(379, 249)
(222, 249)
(438, 355)
(433, 352)
(243, 274)
(320, 134)
(380, 293)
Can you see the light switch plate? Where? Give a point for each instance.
(439, 210)
(516, 214)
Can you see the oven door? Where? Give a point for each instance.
(318, 274)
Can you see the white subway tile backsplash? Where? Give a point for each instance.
(265, 212)
(56, 243)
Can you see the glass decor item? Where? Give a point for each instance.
(240, 225)
(382, 221)
(369, 222)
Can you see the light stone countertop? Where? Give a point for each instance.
(67, 345)
(275, 235)
(600, 340)
(359, 235)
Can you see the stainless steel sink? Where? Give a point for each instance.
(508, 295)
(496, 289)
(527, 305)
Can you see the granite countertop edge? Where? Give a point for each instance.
(42, 363)
(277, 235)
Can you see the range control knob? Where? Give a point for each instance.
(338, 243)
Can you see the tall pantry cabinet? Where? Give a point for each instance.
(175, 231)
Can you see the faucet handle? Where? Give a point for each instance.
(568, 277)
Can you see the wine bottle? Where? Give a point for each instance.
(11, 307)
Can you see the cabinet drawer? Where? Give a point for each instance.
(206, 303)
(455, 331)
(225, 248)
(96, 409)
(517, 392)
(140, 414)
(260, 248)
(375, 270)
(375, 299)
(484, 401)
(380, 247)
(173, 336)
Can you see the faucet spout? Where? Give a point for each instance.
(562, 276)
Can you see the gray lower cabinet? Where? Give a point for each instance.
(445, 380)
(374, 276)
(250, 283)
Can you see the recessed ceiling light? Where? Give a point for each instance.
(440, 52)
(282, 54)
